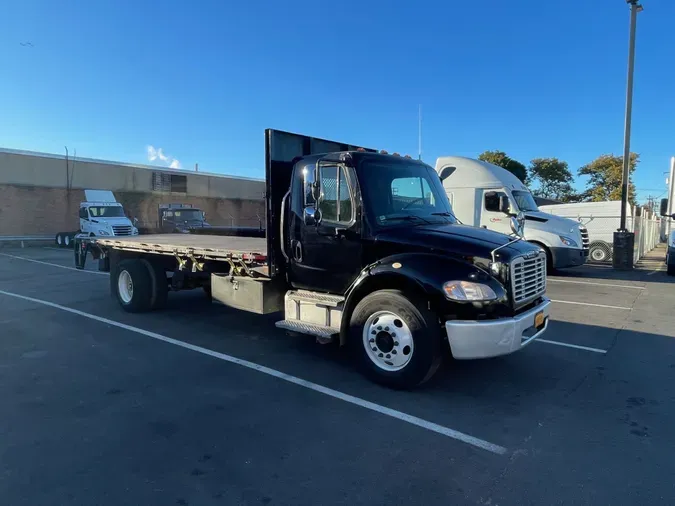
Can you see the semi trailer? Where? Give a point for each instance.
(362, 249)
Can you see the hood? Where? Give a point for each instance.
(557, 223)
(458, 241)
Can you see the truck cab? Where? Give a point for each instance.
(180, 218)
(487, 196)
(102, 215)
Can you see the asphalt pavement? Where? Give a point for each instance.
(199, 404)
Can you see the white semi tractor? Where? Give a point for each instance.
(485, 195)
(100, 215)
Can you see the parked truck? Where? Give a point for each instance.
(180, 218)
(485, 195)
(362, 249)
(100, 215)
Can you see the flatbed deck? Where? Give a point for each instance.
(214, 247)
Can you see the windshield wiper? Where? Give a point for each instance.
(407, 217)
(448, 214)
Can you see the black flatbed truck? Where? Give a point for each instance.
(361, 249)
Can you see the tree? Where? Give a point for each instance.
(605, 178)
(501, 159)
(554, 179)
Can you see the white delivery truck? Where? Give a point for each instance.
(100, 216)
(485, 195)
(601, 219)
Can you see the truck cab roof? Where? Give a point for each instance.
(463, 172)
(356, 157)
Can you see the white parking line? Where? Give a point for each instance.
(577, 346)
(555, 280)
(383, 410)
(589, 304)
(52, 264)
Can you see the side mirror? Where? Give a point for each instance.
(504, 204)
(518, 224)
(135, 221)
(664, 207)
(311, 216)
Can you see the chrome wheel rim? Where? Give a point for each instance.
(125, 287)
(598, 254)
(388, 341)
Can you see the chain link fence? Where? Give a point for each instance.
(646, 226)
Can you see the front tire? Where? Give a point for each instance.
(600, 252)
(395, 340)
(132, 286)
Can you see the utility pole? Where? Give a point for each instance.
(419, 133)
(623, 239)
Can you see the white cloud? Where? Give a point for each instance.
(155, 154)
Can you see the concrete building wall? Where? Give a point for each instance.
(40, 193)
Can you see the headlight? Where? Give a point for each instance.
(134, 231)
(103, 232)
(568, 241)
(468, 291)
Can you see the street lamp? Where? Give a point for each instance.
(623, 239)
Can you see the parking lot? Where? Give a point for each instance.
(199, 404)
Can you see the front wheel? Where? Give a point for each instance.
(395, 340)
(600, 252)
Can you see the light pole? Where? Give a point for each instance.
(623, 239)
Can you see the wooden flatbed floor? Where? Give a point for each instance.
(207, 246)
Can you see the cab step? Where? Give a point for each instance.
(323, 334)
(316, 298)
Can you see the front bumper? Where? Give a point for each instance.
(568, 257)
(471, 339)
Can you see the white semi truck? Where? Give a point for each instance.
(485, 195)
(100, 215)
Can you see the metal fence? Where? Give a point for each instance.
(646, 226)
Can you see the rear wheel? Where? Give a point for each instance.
(59, 240)
(159, 283)
(395, 340)
(132, 286)
(67, 241)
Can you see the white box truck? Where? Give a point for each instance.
(485, 195)
(100, 215)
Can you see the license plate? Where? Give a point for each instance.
(539, 319)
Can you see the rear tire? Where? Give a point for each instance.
(670, 270)
(132, 286)
(159, 283)
(419, 336)
(59, 240)
(67, 241)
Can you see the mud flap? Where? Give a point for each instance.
(81, 248)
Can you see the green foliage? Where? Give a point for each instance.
(501, 159)
(554, 179)
(605, 174)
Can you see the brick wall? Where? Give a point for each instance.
(34, 210)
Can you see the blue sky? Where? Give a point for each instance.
(202, 80)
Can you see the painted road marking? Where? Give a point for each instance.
(589, 304)
(52, 264)
(578, 347)
(383, 410)
(555, 280)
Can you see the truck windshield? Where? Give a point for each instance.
(106, 212)
(525, 200)
(185, 215)
(401, 192)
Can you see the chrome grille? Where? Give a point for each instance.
(585, 241)
(121, 230)
(528, 278)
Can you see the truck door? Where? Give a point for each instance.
(326, 256)
(84, 220)
(491, 216)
